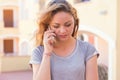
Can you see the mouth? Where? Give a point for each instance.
(63, 36)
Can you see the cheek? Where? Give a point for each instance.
(68, 31)
(56, 32)
(71, 30)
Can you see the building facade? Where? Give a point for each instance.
(16, 28)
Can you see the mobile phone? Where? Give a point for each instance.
(53, 37)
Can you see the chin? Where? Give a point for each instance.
(64, 39)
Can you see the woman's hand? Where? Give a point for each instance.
(48, 41)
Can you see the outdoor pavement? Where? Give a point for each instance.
(19, 75)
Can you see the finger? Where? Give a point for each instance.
(52, 40)
(49, 38)
(50, 30)
(47, 35)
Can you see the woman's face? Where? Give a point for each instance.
(63, 25)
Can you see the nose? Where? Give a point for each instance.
(62, 30)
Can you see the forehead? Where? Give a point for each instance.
(62, 17)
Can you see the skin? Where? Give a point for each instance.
(63, 24)
(58, 38)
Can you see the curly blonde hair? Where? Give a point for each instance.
(47, 15)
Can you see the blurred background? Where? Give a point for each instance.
(99, 25)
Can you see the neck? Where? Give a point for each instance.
(64, 48)
(64, 44)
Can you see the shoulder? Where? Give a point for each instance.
(38, 50)
(85, 46)
(88, 49)
(84, 43)
(37, 54)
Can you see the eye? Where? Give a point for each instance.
(55, 26)
(67, 25)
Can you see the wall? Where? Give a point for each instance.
(16, 63)
(118, 41)
(102, 46)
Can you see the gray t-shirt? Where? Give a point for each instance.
(71, 67)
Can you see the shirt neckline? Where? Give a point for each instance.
(69, 56)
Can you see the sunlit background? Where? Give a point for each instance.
(99, 23)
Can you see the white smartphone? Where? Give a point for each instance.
(53, 37)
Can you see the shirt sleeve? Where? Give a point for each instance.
(91, 51)
(36, 56)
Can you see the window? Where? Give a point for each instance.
(8, 18)
(8, 46)
(78, 1)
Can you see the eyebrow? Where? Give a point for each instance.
(68, 21)
(64, 23)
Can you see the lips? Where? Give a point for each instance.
(63, 36)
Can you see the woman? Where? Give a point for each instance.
(59, 55)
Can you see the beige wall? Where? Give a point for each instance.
(118, 41)
(93, 14)
(16, 63)
(102, 46)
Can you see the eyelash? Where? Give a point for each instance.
(56, 26)
(65, 25)
(68, 25)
